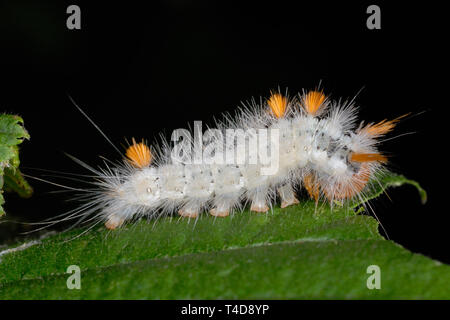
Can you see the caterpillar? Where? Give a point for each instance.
(267, 151)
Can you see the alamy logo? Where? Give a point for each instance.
(74, 281)
(374, 20)
(74, 20)
(230, 146)
(374, 281)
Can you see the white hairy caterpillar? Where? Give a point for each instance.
(317, 146)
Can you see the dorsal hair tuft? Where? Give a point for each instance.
(314, 102)
(278, 104)
(139, 154)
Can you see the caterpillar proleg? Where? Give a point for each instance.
(266, 152)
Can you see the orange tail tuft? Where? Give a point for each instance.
(382, 127)
(367, 157)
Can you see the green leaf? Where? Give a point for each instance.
(15, 182)
(297, 252)
(12, 133)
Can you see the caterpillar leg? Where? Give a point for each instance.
(189, 210)
(312, 186)
(287, 196)
(114, 222)
(259, 207)
(219, 212)
(224, 203)
(259, 203)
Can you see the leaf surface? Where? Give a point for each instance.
(297, 252)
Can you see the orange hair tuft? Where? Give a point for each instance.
(313, 101)
(367, 157)
(139, 154)
(382, 127)
(277, 104)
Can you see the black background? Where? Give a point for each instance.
(138, 69)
